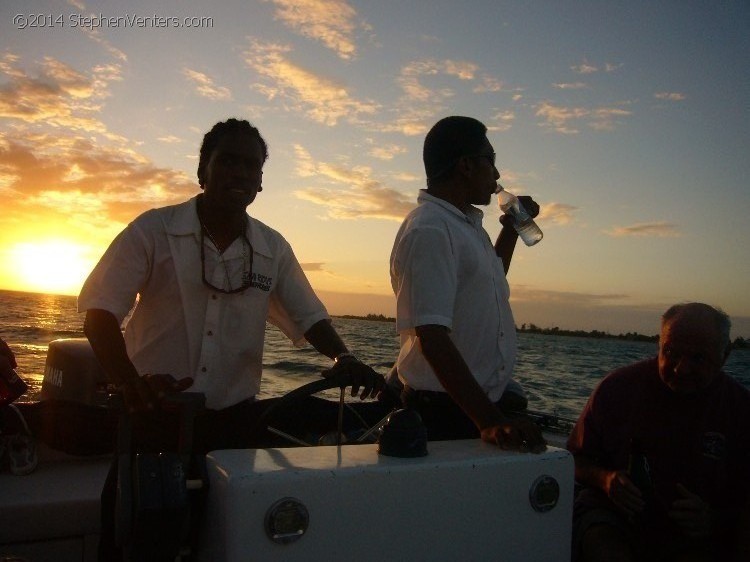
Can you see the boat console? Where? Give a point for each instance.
(462, 500)
(465, 500)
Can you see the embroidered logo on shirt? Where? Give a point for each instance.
(714, 445)
(262, 282)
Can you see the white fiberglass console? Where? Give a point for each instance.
(465, 500)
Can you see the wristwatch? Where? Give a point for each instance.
(346, 356)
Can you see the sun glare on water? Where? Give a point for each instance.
(55, 266)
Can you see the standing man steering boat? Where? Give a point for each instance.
(207, 277)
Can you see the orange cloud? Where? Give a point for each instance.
(313, 266)
(525, 293)
(82, 183)
(56, 95)
(671, 96)
(584, 68)
(387, 152)
(356, 195)
(558, 213)
(651, 229)
(570, 86)
(425, 96)
(489, 84)
(205, 86)
(321, 99)
(563, 119)
(501, 121)
(411, 75)
(332, 22)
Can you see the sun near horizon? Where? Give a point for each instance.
(52, 266)
(59, 266)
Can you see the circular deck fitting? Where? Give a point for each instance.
(544, 493)
(286, 521)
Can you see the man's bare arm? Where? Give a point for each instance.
(456, 378)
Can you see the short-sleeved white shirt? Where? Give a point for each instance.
(186, 329)
(444, 271)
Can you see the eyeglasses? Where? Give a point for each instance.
(247, 266)
(488, 155)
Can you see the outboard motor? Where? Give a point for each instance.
(73, 373)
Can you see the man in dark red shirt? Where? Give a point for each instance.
(662, 452)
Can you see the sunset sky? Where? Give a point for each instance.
(629, 122)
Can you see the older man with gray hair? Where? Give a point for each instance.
(662, 451)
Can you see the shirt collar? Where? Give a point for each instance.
(184, 222)
(473, 215)
(184, 219)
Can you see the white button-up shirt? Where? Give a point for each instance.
(444, 271)
(184, 328)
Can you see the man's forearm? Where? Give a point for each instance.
(103, 332)
(455, 376)
(506, 244)
(324, 338)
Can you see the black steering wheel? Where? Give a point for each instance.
(368, 416)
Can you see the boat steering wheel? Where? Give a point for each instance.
(292, 398)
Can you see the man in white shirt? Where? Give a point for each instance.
(207, 277)
(458, 338)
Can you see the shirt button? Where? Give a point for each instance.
(210, 333)
(502, 334)
(213, 297)
(203, 369)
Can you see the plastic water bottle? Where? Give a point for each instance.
(527, 229)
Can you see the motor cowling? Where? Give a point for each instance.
(73, 373)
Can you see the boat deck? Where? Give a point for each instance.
(53, 509)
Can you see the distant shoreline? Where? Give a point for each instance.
(372, 317)
(739, 343)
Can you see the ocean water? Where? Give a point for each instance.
(558, 372)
